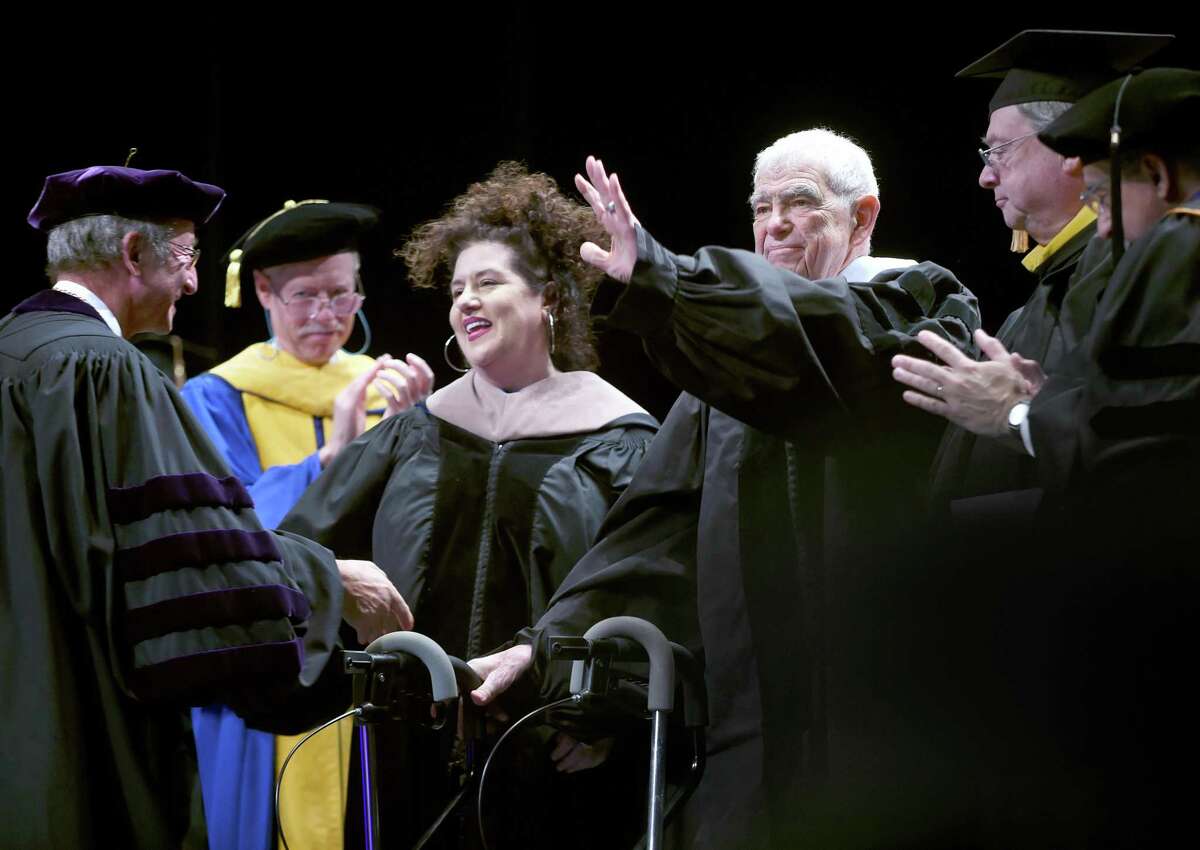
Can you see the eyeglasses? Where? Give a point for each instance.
(1095, 197)
(189, 255)
(306, 305)
(994, 155)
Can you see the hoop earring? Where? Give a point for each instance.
(362, 317)
(550, 324)
(446, 355)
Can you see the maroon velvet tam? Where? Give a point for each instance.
(130, 192)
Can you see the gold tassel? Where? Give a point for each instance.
(178, 368)
(233, 272)
(1020, 242)
(233, 279)
(129, 158)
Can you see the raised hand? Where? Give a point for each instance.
(603, 192)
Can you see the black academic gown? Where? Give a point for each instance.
(979, 481)
(1117, 437)
(136, 580)
(1083, 586)
(476, 534)
(1119, 416)
(779, 484)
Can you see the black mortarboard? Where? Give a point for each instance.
(1156, 107)
(300, 231)
(128, 192)
(1060, 65)
(1159, 106)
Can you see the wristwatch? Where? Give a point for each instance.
(1016, 417)
(1018, 425)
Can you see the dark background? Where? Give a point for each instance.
(406, 119)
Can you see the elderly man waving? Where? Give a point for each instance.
(782, 474)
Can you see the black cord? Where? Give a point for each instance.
(1114, 180)
(491, 755)
(351, 713)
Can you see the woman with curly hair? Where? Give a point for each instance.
(479, 503)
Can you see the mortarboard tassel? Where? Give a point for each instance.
(1020, 242)
(233, 271)
(233, 279)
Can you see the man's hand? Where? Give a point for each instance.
(571, 756)
(607, 200)
(499, 671)
(976, 395)
(403, 383)
(1030, 370)
(371, 603)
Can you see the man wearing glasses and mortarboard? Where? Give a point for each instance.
(991, 483)
(279, 411)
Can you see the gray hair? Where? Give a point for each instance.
(1040, 113)
(844, 164)
(94, 242)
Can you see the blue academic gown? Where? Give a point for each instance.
(237, 764)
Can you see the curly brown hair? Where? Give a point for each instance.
(544, 229)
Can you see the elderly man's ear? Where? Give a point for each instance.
(263, 289)
(1161, 177)
(866, 210)
(132, 248)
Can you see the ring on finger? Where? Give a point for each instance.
(611, 206)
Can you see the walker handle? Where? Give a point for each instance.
(661, 693)
(441, 671)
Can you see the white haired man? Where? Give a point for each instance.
(744, 532)
(138, 578)
(815, 203)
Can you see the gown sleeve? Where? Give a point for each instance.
(643, 564)
(203, 604)
(779, 352)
